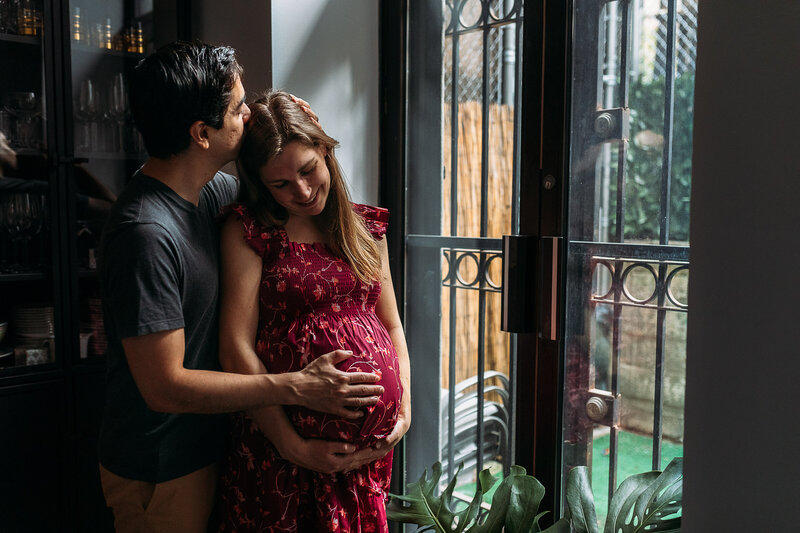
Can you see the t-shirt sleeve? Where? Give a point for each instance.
(220, 191)
(229, 187)
(142, 274)
(375, 218)
(255, 235)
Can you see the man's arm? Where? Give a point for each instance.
(156, 363)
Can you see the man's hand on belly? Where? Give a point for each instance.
(323, 387)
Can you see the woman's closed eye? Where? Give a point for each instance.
(307, 171)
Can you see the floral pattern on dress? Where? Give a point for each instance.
(311, 303)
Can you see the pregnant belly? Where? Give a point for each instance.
(372, 352)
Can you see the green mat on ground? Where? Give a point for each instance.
(634, 456)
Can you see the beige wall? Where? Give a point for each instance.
(244, 25)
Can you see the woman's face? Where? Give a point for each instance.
(298, 179)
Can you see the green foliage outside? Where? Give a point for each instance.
(645, 159)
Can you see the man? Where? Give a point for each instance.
(160, 441)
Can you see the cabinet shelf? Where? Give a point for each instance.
(111, 156)
(31, 373)
(22, 276)
(20, 39)
(87, 273)
(96, 50)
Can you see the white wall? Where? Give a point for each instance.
(742, 441)
(326, 52)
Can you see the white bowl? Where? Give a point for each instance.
(6, 356)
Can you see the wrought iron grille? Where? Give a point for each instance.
(476, 30)
(686, 37)
(612, 269)
(453, 258)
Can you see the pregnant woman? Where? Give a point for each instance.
(305, 272)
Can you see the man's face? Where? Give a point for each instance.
(228, 139)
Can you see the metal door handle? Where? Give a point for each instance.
(519, 283)
(530, 285)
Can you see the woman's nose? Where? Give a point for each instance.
(304, 190)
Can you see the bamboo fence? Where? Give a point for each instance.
(468, 213)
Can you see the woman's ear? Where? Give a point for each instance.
(198, 131)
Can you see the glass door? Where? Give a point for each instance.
(462, 197)
(107, 40)
(548, 165)
(627, 261)
(28, 275)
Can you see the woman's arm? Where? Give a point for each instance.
(387, 312)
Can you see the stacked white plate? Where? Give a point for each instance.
(35, 327)
(34, 321)
(98, 343)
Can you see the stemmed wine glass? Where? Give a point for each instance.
(88, 108)
(117, 109)
(23, 218)
(27, 119)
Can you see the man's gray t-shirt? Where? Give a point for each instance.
(160, 271)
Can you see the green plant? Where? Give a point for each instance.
(645, 160)
(648, 502)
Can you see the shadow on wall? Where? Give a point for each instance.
(334, 24)
(333, 63)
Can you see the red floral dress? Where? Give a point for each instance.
(311, 303)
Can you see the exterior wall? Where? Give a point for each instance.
(326, 52)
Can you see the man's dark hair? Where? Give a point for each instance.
(179, 84)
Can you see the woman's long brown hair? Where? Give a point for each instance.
(275, 121)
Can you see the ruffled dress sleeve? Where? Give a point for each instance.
(262, 240)
(375, 218)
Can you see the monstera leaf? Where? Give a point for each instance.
(643, 503)
(580, 501)
(423, 507)
(648, 501)
(420, 506)
(513, 509)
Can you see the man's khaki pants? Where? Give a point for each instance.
(179, 505)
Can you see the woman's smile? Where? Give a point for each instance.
(310, 202)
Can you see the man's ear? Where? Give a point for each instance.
(198, 131)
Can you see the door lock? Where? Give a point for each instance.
(596, 409)
(602, 407)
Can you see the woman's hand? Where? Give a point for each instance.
(377, 451)
(322, 456)
(329, 457)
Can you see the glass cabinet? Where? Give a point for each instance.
(67, 147)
